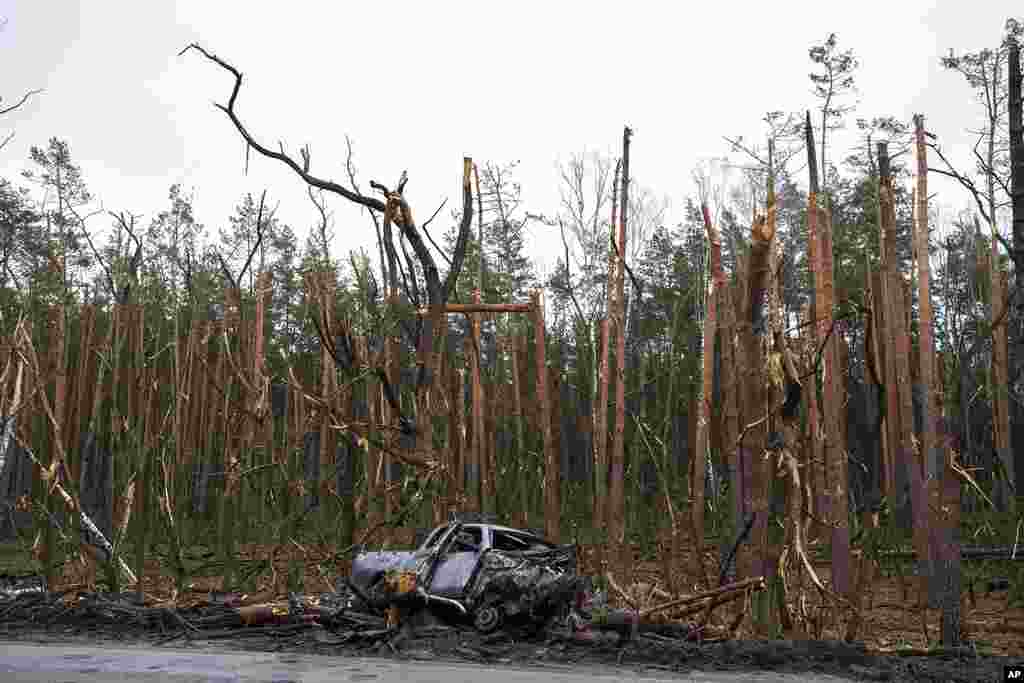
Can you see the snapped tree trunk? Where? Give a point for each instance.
(552, 479)
(1016, 112)
(701, 439)
(932, 454)
(617, 500)
(895, 297)
(754, 336)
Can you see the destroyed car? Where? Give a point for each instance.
(481, 572)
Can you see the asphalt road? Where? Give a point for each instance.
(78, 664)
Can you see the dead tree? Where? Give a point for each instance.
(395, 209)
(616, 498)
(704, 415)
(13, 107)
(817, 455)
(899, 382)
(601, 409)
(1017, 202)
(754, 336)
(834, 450)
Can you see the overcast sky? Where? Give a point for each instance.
(418, 85)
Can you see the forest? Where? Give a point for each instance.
(811, 375)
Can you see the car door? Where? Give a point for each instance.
(457, 562)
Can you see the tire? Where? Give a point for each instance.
(488, 618)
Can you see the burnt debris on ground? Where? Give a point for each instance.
(332, 623)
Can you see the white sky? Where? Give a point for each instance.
(417, 85)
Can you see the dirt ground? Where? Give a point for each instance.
(646, 653)
(891, 643)
(891, 620)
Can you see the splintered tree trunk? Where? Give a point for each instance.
(837, 476)
(707, 387)
(78, 410)
(735, 417)
(601, 430)
(457, 441)
(617, 500)
(552, 499)
(888, 404)
(930, 452)
(391, 371)
(521, 492)
(947, 514)
(329, 390)
(521, 368)
(895, 296)
(833, 450)
(730, 429)
(815, 444)
(1015, 106)
(753, 335)
(1000, 373)
(603, 376)
(478, 484)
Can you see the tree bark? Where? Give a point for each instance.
(932, 456)
(837, 474)
(617, 500)
(895, 297)
(754, 333)
(552, 480)
(821, 316)
(1015, 107)
(601, 465)
(701, 440)
(730, 422)
(476, 482)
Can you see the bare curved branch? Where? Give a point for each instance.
(23, 100)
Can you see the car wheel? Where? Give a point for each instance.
(487, 618)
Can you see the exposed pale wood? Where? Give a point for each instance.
(703, 412)
(616, 493)
(898, 384)
(552, 483)
(833, 399)
(521, 515)
(479, 485)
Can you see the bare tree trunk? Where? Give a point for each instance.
(601, 467)
(931, 454)
(888, 399)
(1000, 373)
(754, 331)
(833, 451)
(617, 501)
(601, 430)
(78, 410)
(815, 444)
(476, 483)
(837, 474)
(738, 415)
(817, 424)
(522, 491)
(552, 480)
(896, 296)
(701, 439)
(1015, 107)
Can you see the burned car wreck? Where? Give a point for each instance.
(475, 571)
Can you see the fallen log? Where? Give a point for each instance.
(752, 584)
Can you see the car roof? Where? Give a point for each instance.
(498, 527)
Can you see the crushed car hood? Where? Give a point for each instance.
(368, 566)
